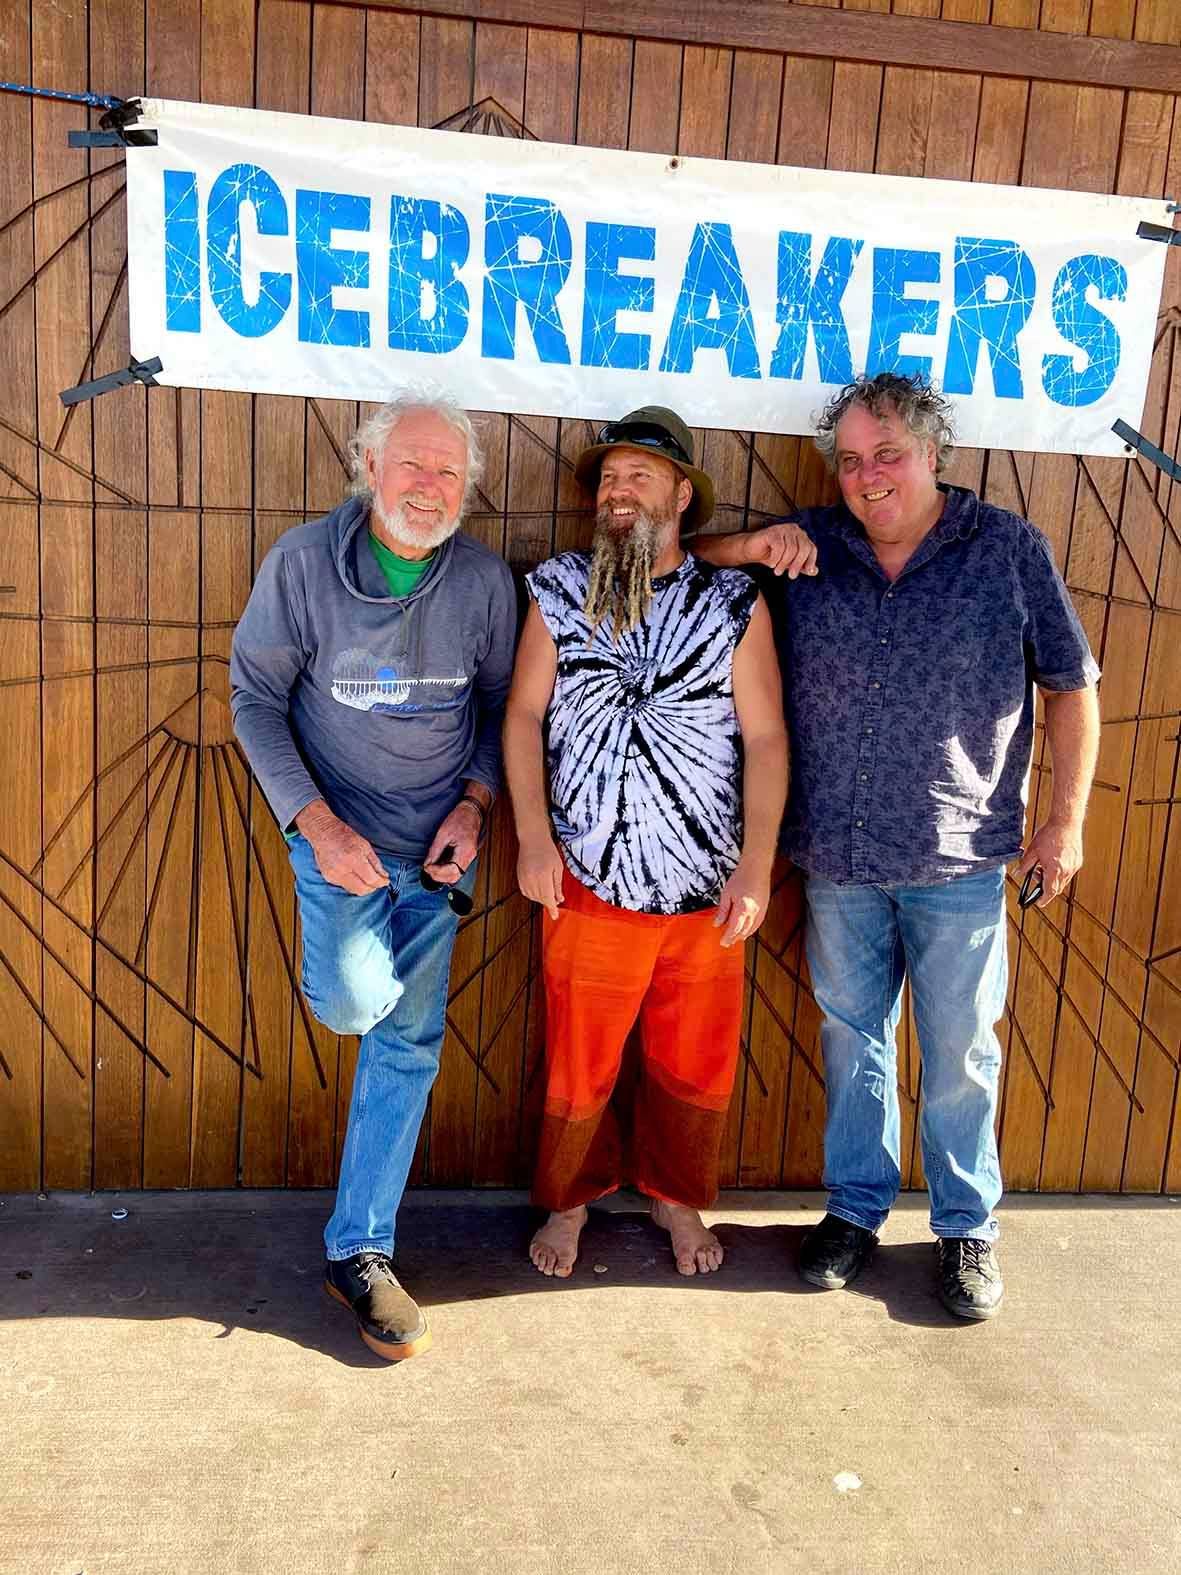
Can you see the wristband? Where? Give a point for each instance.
(469, 798)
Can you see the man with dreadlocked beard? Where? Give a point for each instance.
(646, 682)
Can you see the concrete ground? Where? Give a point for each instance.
(178, 1394)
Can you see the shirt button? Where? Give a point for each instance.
(876, 684)
(885, 641)
(869, 729)
(889, 596)
(861, 823)
(865, 776)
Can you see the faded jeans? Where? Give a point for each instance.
(949, 940)
(377, 966)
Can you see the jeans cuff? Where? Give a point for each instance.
(852, 1219)
(341, 1254)
(978, 1233)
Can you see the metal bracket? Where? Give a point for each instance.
(115, 132)
(1137, 443)
(1158, 232)
(136, 372)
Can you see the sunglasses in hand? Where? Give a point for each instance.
(1031, 887)
(460, 902)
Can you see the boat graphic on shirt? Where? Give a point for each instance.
(362, 680)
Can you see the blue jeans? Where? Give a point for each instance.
(949, 940)
(377, 966)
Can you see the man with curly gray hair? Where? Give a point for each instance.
(910, 662)
(368, 679)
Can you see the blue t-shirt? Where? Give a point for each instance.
(910, 703)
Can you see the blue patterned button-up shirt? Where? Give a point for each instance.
(910, 703)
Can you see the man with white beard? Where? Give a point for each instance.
(368, 679)
(646, 681)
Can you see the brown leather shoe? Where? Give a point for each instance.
(388, 1319)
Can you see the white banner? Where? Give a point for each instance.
(291, 254)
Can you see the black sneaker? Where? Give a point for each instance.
(970, 1284)
(835, 1252)
(388, 1320)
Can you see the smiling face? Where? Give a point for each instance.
(886, 474)
(635, 483)
(418, 481)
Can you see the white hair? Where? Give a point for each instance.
(370, 437)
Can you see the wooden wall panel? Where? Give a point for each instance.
(153, 1032)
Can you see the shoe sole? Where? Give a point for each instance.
(392, 1351)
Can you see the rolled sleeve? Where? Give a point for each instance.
(1059, 653)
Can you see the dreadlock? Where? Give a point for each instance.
(620, 582)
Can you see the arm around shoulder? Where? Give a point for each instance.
(784, 548)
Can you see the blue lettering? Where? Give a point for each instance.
(182, 253)
(712, 275)
(608, 292)
(979, 320)
(803, 301)
(1083, 325)
(321, 267)
(509, 280)
(239, 184)
(428, 304)
(894, 313)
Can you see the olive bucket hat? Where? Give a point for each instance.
(664, 432)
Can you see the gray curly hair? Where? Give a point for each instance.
(923, 410)
(370, 437)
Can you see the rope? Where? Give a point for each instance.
(95, 100)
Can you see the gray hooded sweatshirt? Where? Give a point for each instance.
(382, 706)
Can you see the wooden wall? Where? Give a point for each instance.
(150, 1031)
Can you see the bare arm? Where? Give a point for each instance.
(539, 865)
(758, 700)
(782, 547)
(1072, 731)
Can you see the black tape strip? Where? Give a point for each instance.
(113, 139)
(121, 114)
(136, 372)
(1158, 232)
(1150, 451)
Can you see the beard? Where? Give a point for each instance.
(398, 528)
(620, 582)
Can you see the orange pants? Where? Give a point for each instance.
(604, 967)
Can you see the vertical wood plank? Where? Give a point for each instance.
(117, 52)
(21, 992)
(218, 994)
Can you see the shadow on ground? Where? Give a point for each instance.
(253, 1261)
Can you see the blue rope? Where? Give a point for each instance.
(95, 100)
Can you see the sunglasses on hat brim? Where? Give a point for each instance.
(644, 435)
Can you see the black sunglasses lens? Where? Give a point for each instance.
(1031, 888)
(459, 901)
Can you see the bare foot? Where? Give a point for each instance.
(697, 1250)
(555, 1247)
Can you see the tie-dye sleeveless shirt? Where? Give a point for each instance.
(642, 738)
